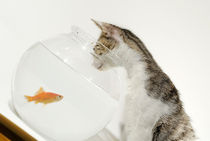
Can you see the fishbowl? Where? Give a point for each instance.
(59, 93)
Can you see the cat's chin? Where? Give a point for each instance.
(99, 65)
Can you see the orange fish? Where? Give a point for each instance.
(44, 97)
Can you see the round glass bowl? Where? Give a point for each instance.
(63, 65)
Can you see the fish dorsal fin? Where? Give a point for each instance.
(41, 90)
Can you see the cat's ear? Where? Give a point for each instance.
(109, 29)
(98, 24)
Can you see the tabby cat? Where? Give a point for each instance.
(153, 110)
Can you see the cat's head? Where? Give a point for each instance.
(109, 40)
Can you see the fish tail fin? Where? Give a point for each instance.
(29, 98)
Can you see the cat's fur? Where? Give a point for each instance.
(153, 110)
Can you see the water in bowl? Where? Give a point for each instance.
(63, 65)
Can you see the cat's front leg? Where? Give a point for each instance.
(173, 128)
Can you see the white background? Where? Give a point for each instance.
(176, 32)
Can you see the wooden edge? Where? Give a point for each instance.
(17, 130)
(3, 138)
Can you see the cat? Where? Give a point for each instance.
(153, 110)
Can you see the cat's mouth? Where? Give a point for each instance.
(100, 66)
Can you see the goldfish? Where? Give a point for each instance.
(44, 97)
